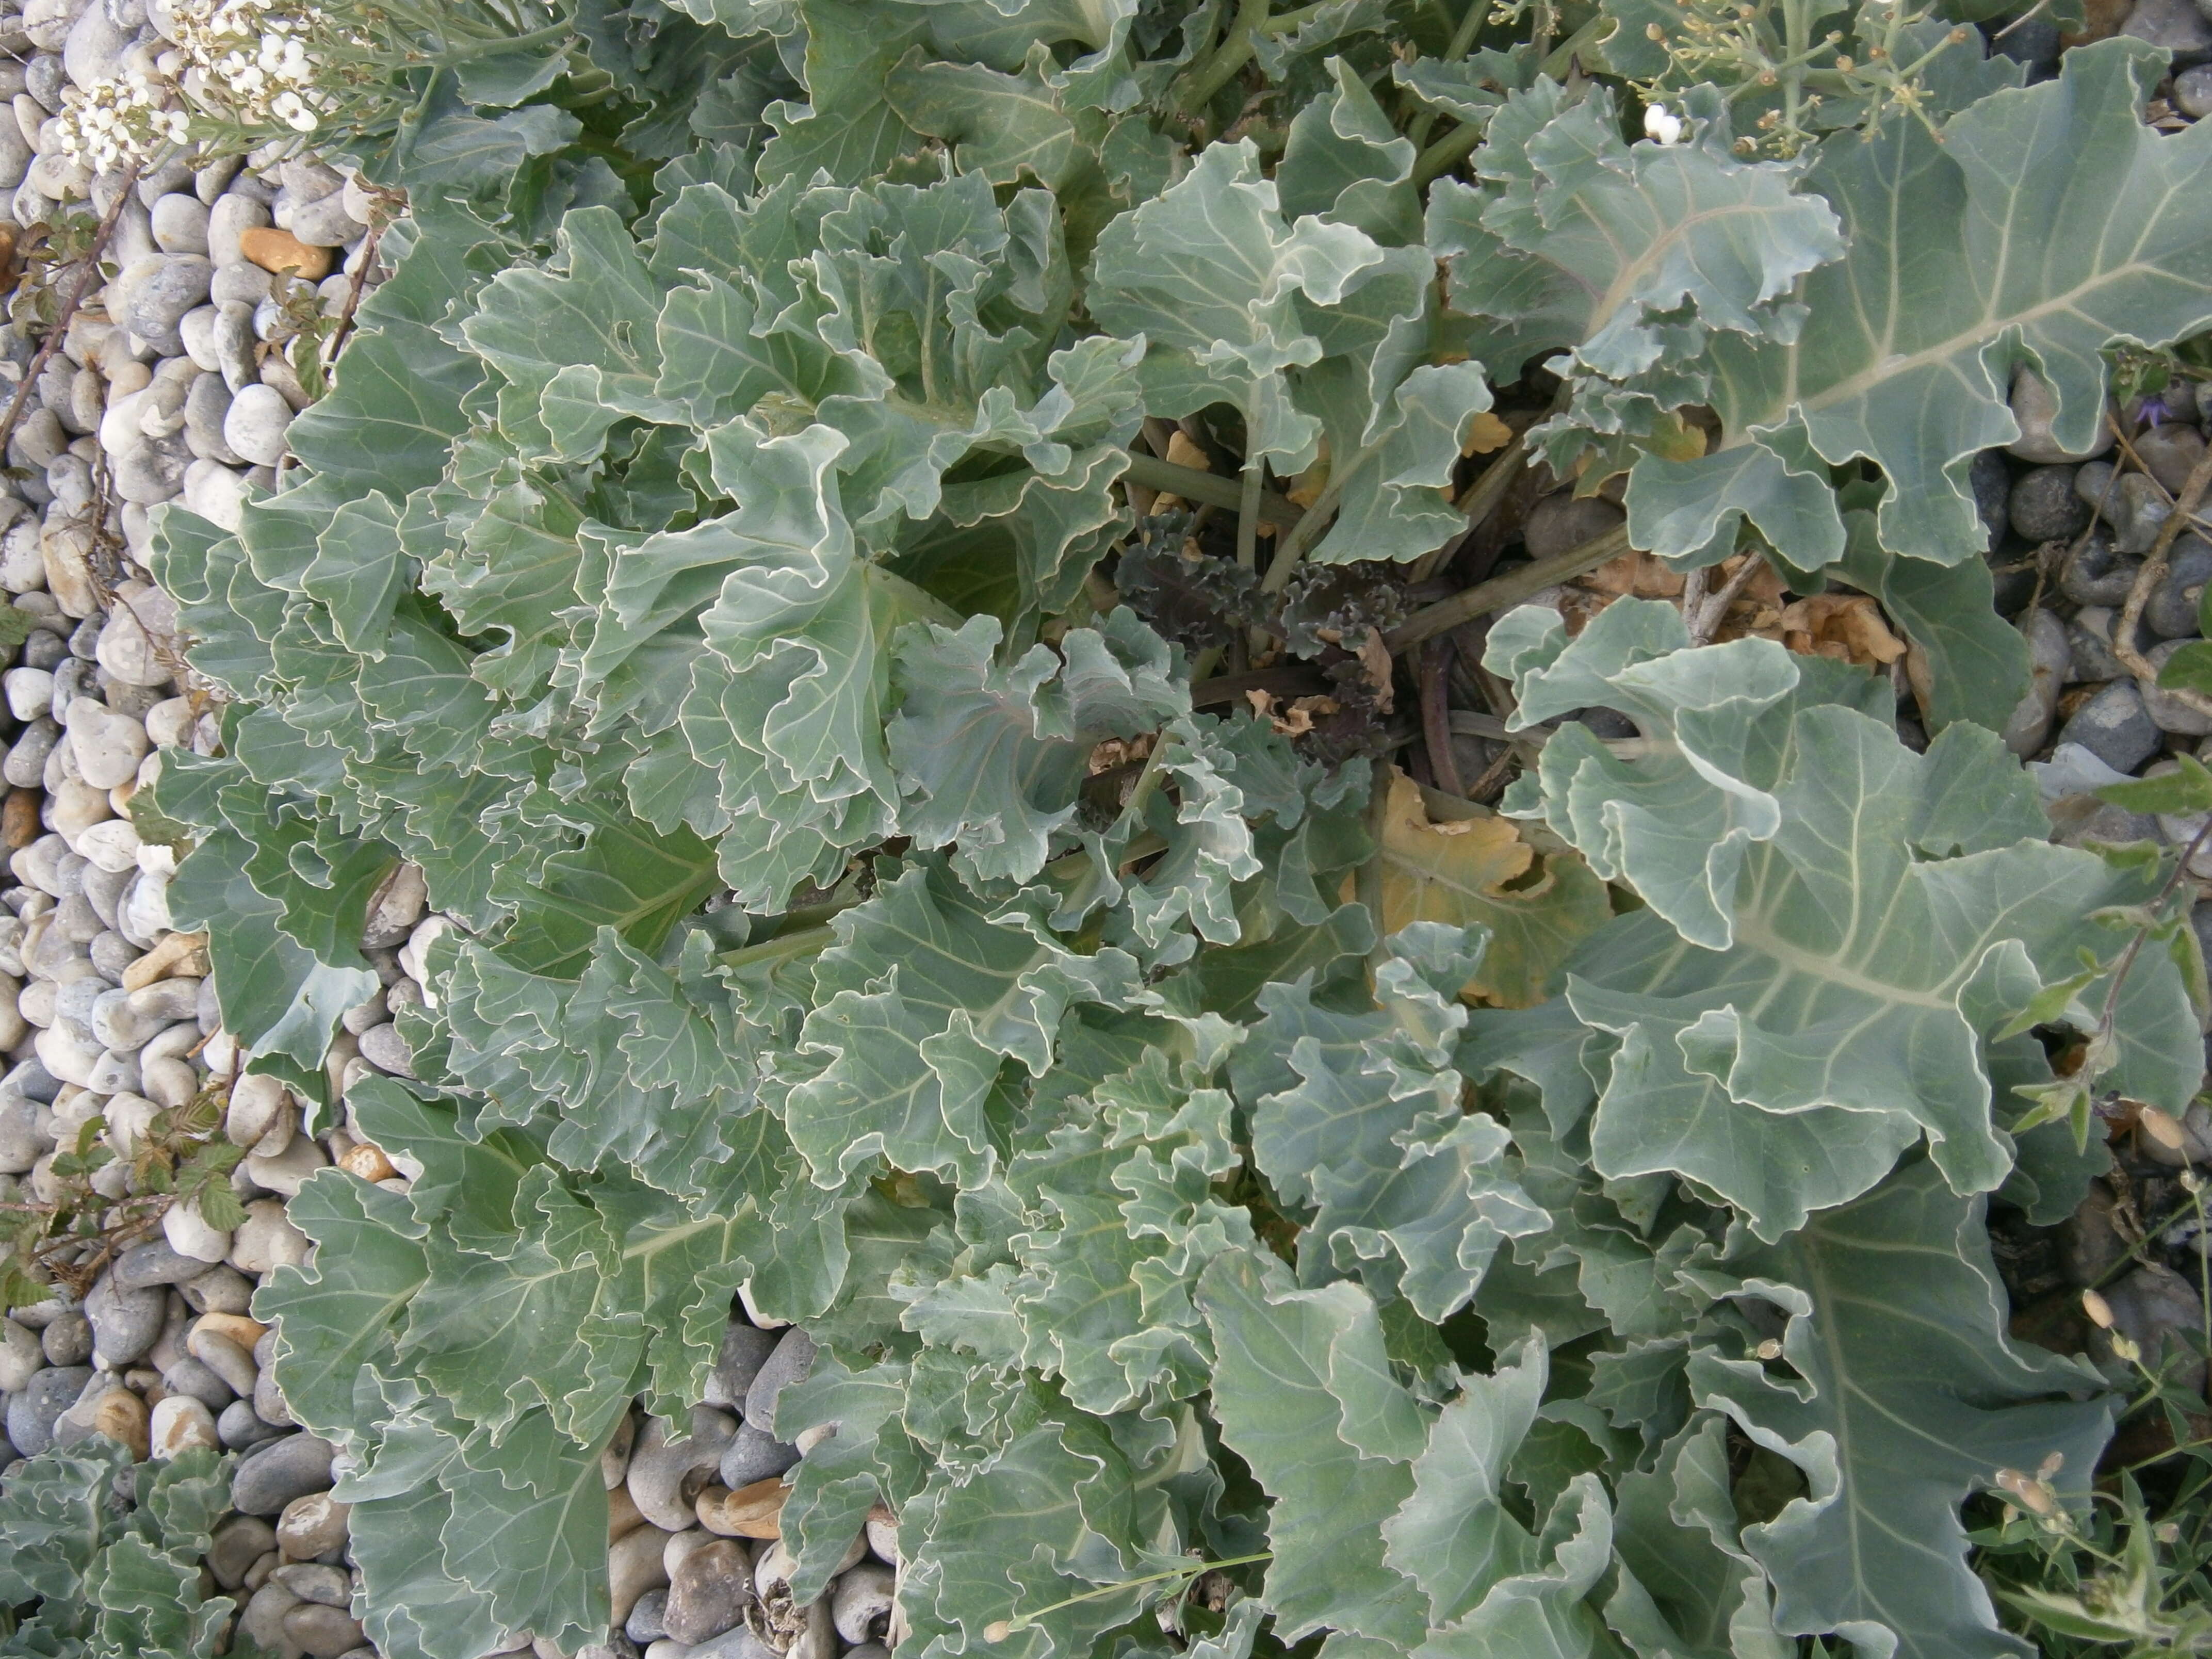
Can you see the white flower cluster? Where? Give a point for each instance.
(252, 64)
(122, 120)
(258, 56)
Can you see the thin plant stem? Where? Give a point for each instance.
(999, 1631)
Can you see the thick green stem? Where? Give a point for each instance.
(1222, 64)
(1193, 485)
(1470, 25)
(1510, 588)
(1446, 153)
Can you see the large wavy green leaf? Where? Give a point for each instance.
(2046, 222)
(1837, 928)
(1905, 1397)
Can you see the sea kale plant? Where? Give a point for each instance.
(1557, 1231)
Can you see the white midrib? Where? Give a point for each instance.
(1751, 932)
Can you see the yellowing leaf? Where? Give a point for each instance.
(1477, 872)
(1486, 432)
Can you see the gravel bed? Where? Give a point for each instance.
(171, 385)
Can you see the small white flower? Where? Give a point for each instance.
(1663, 125)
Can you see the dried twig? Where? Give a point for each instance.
(87, 279)
(366, 263)
(2146, 583)
(1436, 715)
(1704, 615)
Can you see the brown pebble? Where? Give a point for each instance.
(622, 1513)
(179, 955)
(245, 1332)
(121, 1416)
(754, 1511)
(19, 818)
(280, 251)
(367, 1160)
(323, 1632)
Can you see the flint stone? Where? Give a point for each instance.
(2115, 727)
(233, 215)
(323, 1632)
(265, 1239)
(21, 1356)
(196, 1379)
(180, 1423)
(324, 222)
(2192, 93)
(180, 223)
(311, 1582)
(2043, 506)
(739, 1644)
(2174, 26)
(313, 1526)
(2172, 610)
(648, 1618)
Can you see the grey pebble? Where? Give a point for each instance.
(242, 284)
(709, 1591)
(382, 1047)
(67, 1340)
(255, 426)
(238, 1428)
(646, 1622)
(180, 224)
(792, 1360)
(157, 291)
(2114, 726)
(272, 1476)
(32, 1413)
(2088, 640)
(2043, 506)
(739, 1644)
(2192, 90)
(754, 1454)
(322, 1632)
(126, 1323)
(200, 1380)
(2174, 26)
(2098, 573)
(2172, 611)
(311, 1582)
(157, 1263)
(746, 1349)
(1990, 480)
(206, 406)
